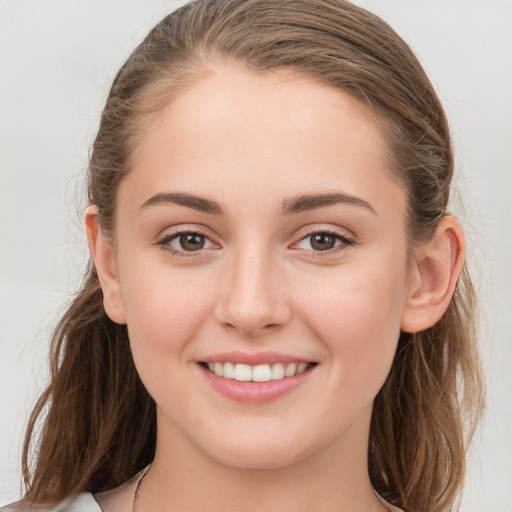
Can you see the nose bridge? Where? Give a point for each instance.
(253, 298)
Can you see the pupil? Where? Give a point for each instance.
(192, 241)
(323, 241)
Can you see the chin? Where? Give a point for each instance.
(247, 459)
(259, 453)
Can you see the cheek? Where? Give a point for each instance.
(357, 315)
(164, 309)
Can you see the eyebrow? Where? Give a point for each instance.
(314, 201)
(201, 204)
(290, 206)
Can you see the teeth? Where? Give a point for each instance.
(277, 371)
(228, 371)
(301, 367)
(243, 372)
(290, 370)
(259, 373)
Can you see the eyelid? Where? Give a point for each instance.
(347, 240)
(164, 240)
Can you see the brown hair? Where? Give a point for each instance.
(99, 422)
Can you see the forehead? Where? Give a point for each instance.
(236, 133)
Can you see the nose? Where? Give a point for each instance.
(253, 298)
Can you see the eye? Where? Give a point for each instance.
(187, 241)
(324, 241)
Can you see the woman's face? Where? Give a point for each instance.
(261, 227)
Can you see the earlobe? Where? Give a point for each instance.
(437, 265)
(102, 253)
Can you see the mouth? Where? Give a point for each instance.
(258, 373)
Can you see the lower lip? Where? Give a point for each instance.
(255, 392)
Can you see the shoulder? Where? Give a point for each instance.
(118, 499)
(84, 502)
(388, 506)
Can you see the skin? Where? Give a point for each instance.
(251, 142)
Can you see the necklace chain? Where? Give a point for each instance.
(137, 488)
(145, 471)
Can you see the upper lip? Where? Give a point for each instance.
(253, 359)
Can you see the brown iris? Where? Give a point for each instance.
(322, 241)
(192, 241)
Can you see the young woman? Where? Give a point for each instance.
(277, 315)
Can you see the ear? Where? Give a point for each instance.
(436, 268)
(103, 255)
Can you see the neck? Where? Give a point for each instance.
(335, 478)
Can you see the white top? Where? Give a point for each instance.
(84, 502)
(87, 502)
(116, 500)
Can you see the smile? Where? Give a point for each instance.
(258, 373)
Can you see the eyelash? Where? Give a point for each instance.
(164, 241)
(345, 242)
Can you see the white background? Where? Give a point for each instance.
(57, 60)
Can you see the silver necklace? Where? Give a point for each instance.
(145, 471)
(137, 487)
